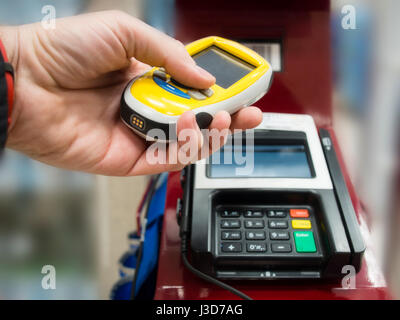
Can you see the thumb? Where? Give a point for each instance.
(155, 48)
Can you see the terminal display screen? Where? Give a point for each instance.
(268, 161)
(226, 68)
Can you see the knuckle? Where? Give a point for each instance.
(117, 13)
(180, 46)
(120, 16)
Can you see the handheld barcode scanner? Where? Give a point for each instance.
(154, 100)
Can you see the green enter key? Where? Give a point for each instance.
(304, 241)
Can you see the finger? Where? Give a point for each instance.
(246, 118)
(157, 49)
(190, 139)
(217, 133)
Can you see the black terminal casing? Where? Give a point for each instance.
(336, 230)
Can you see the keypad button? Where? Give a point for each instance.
(230, 214)
(299, 213)
(171, 89)
(177, 83)
(277, 224)
(231, 235)
(255, 235)
(273, 213)
(196, 94)
(160, 74)
(230, 224)
(256, 247)
(304, 241)
(254, 224)
(231, 247)
(253, 214)
(281, 247)
(301, 224)
(207, 92)
(279, 235)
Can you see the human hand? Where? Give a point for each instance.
(68, 86)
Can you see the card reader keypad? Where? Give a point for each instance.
(267, 231)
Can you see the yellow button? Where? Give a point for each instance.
(301, 224)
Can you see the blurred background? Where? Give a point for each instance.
(79, 223)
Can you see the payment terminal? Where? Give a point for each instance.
(154, 100)
(288, 215)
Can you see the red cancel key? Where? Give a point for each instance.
(299, 213)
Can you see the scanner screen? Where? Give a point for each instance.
(269, 161)
(226, 68)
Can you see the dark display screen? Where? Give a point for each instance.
(226, 68)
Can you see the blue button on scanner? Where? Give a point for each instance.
(169, 88)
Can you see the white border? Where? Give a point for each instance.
(276, 121)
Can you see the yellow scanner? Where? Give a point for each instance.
(152, 102)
